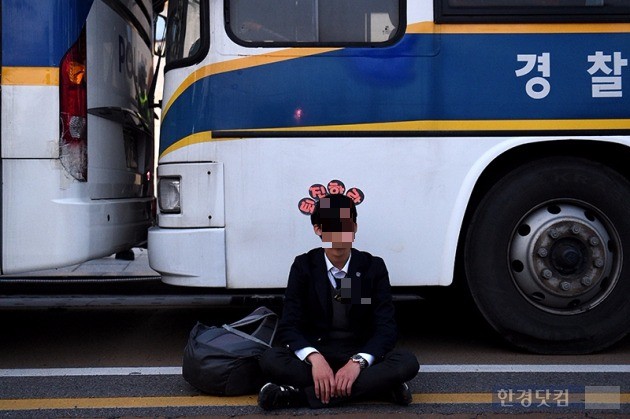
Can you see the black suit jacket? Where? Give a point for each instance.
(307, 315)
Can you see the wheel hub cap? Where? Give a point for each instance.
(568, 256)
(563, 258)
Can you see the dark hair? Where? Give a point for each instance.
(336, 201)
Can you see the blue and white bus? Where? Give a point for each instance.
(76, 130)
(490, 140)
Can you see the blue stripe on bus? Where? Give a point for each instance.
(37, 33)
(425, 77)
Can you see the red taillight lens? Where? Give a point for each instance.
(73, 110)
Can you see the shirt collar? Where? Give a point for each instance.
(330, 266)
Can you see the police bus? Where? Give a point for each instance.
(77, 137)
(486, 140)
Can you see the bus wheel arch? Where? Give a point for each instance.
(491, 248)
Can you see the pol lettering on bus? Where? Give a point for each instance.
(125, 56)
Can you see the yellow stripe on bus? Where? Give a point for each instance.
(200, 137)
(30, 76)
(516, 28)
(468, 125)
(522, 125)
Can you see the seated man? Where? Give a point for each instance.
(337, 328)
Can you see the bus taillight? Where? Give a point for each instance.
(73, 110)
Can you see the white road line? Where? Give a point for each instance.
(76, 372)
(447, 368)
(531, 368)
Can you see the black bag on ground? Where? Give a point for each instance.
(223, 361)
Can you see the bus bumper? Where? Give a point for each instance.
(188, 257)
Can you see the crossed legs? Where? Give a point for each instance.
(281, 366)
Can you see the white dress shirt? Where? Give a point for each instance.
(332, 272)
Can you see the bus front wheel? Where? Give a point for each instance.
(544, 256)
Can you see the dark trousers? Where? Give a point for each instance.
(281, 366)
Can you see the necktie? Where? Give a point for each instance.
(338, 275)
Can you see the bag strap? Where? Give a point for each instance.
(245, 335)
(265, 332)
(267, 329)
(256, 315)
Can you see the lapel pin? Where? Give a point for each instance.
(358, 274)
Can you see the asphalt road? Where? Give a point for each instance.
(124, 361)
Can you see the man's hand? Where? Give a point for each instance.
(345, 378)
(323, 377)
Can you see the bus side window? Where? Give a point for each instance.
(273, 21)
(525, 3)
(357, 20)
(532, 10)
(317, 22)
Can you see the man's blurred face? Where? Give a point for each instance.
(337, 229)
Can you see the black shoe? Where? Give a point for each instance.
(272, 396)
(402, 395)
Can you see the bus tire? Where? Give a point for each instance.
(544, 256)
